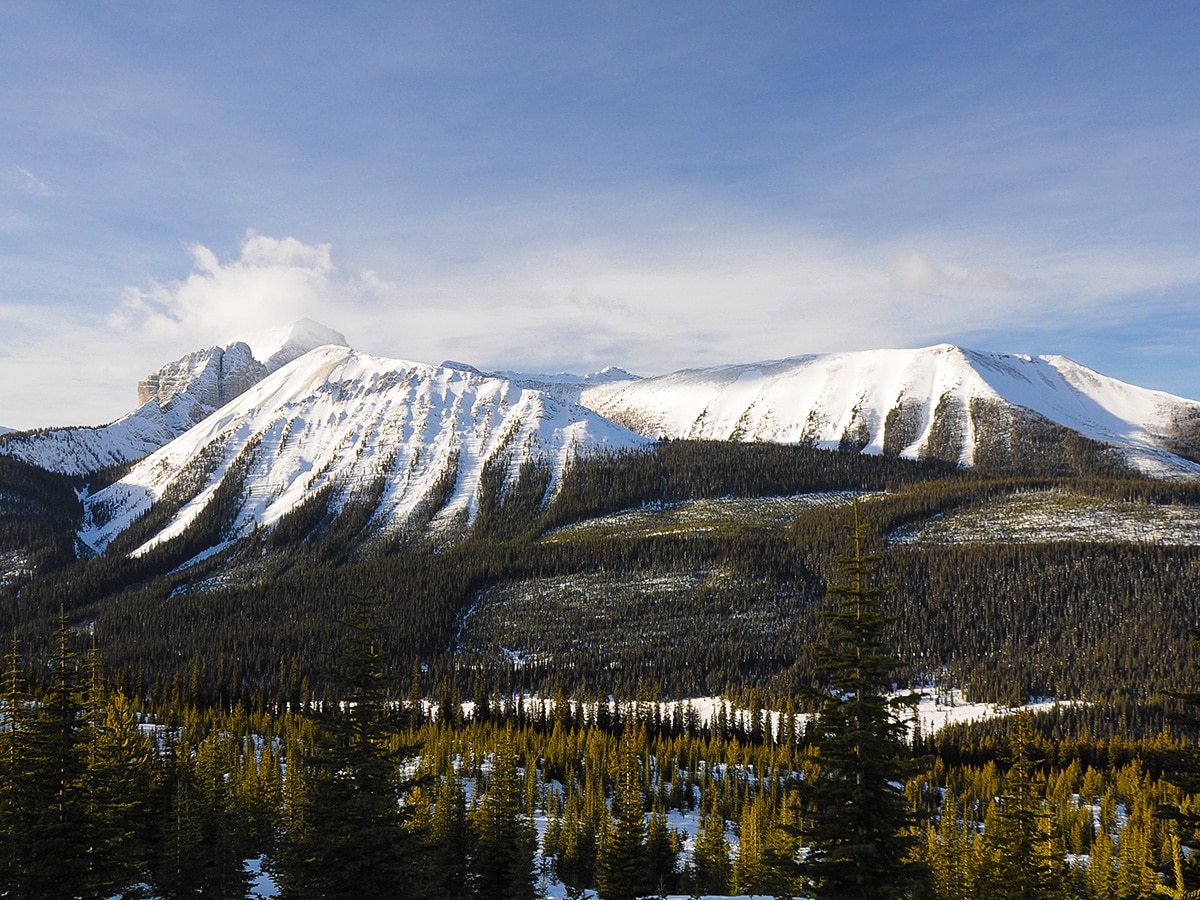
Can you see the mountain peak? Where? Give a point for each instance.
(278, 347)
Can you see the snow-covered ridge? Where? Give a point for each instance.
(926, 402)
(170, 401)
(358, 425)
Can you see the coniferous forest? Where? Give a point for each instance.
(511, 712)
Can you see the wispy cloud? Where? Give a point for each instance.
(27, 183)
(696, 300)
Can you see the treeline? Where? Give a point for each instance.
(374, 791)
(39, 512)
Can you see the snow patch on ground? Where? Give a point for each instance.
(1043, 516)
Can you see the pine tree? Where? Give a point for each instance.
(661, 854)
(620, 867)
(575, 863)
(15, 715)
(352, 840)
(1027, 864)
(120, 780)
(505, 839)
(861, 832)
(447, 839)
(1184, 773)
(782, 874)
(749, 868)
(53, 816)
(712, 870)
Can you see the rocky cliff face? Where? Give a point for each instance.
(210, 377)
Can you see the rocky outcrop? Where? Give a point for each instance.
(209, 379)
(170, 401)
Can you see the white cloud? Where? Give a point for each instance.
(31, 184)
(274, 281)
(689, 300)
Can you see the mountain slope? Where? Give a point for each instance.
(170, 401)
(944, 402)
(411, 441)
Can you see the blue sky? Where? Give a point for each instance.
(562, 186)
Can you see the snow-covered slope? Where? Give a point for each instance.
(411, 439)
(940, 401)
(170, 401)
(278, 348)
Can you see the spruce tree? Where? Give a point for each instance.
(505, 839)
(54, 820)
(351, 838)
(620, 867)
(1183, 771)
(861, 828)
(661, 854)
(712, 870)
(1026, 864)
(15, 716)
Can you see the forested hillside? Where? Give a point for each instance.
(558, 592)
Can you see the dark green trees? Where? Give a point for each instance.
(1026, 864)
(74, 772)
(350, 839)
(860, 827)
(504, 838)
(621, 869)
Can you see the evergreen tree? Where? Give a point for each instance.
(1027, 863)
(1184, 773)
(15, 711)
(120, 780)
(661, 854)
(712, 870)
(203, 846)
(447, 837)
(749, 863)
(861, 828)
(575, 862)
(505, 839)
(782, 873)
(352, 840)
(53, 819)
(620, 867)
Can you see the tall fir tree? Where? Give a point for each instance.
(661, 854)
(861, 830)
(505, 839)
(351, 839)
(1183, 771)
(620, 867)
(54, 819)
(1026, 864)
(712, 871)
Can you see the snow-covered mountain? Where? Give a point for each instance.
(410, 440)
(302, 418)
(170, 401)
(962, 406)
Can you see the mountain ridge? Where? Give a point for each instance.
(416, 437)
(927, 402)
(171, 400)
(414, 445)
